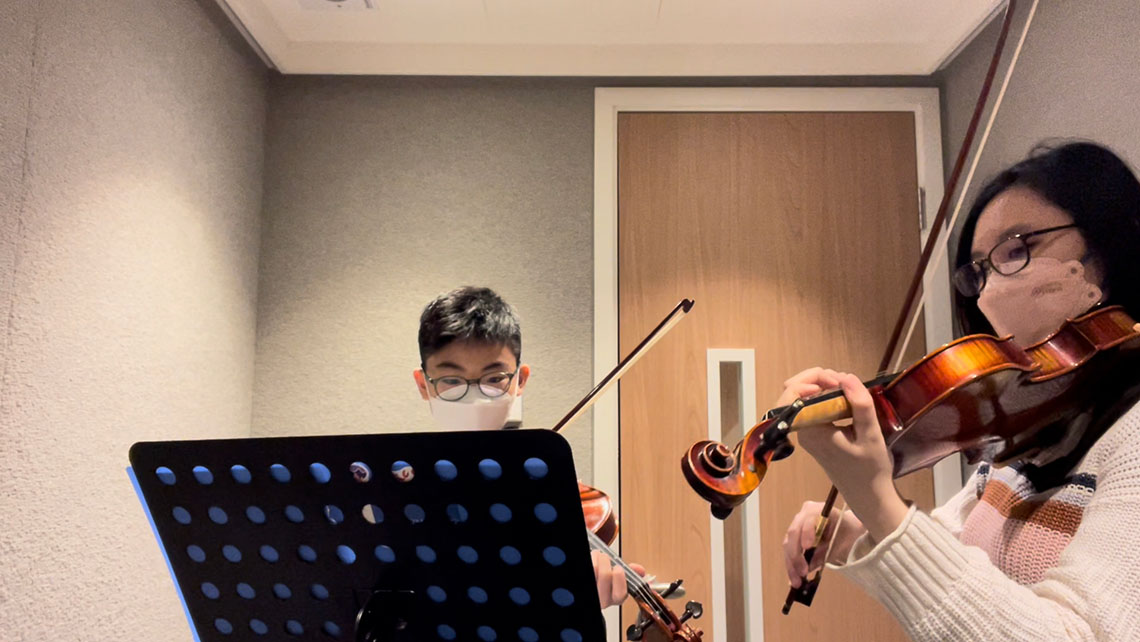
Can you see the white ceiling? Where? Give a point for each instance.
(611, 37)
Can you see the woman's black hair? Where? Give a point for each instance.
(1100, 192)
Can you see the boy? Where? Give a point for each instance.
(471, 375)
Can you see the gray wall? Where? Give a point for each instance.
(1077, 77)
(131, 143)
(382, 193)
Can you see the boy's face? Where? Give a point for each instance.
(471, 360)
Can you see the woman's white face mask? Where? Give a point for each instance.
(475, 411)
(1033, 303)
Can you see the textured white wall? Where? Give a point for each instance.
(382, 193)
(1076, 78)
(131, 145)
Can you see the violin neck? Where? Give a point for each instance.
(826, 407)
(597, 544)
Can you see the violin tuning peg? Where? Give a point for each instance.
(693, 610)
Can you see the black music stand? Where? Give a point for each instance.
(374, 538)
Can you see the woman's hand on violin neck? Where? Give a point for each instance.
(807, 383)
(612, 585)
(856, 459)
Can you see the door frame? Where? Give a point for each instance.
(923, 102)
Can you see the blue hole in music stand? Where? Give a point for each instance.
(246, 591)
(436, 594)
(165, 475)
(334, 514)
(467, 554)
(527, 634)
(223, 626)
(258, 627)
(217, 515)
(545, 513)
(456, 513)
(181, 515)
(500, 513)
(519, 596)
(415, 513)
(280, 473)
(241, 474)
(204, 476)
(196, 553)
(486, 634)
(510, 555)
(346, 554)
(570, 635)
(477, 595)
(231, 553)
(373, 514)
(306, 553)
(490, 469)
(562, 597)
(282, 592)
(331, 629)
(210, 591)
(536, 468)
(293, 627)
(294, 514)
(445, 632)
(319, 591)
(320, 472)
(268, 553)
(554, 556)
(385, 554)
(425, 553)
(446, 470)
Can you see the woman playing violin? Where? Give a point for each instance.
(1039, 546)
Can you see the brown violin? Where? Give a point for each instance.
(979, 395)
(655, 620)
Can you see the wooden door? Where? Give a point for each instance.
(796, 234)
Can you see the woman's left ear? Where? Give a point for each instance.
(524, 375)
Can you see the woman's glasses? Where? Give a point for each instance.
(1006, 258)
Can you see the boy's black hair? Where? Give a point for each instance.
(469, 314)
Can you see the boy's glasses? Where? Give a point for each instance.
(454, 388)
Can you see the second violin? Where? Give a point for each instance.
(979, 395)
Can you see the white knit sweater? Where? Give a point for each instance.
(941, 589)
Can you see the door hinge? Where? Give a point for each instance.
(921, 209)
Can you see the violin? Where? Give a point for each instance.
(980, 395)
(654, 615)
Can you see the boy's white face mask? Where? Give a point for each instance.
(475, 411)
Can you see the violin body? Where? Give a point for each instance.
(656, 621)
(599, 512)
(980, 395)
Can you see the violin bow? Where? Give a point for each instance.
(910, 311)
(673, 318)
